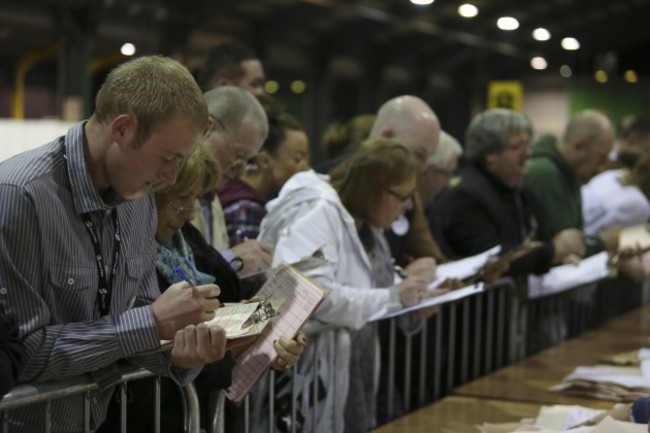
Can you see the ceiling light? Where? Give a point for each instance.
(601, 76)
(271, 87)
(298, 86)
(630, 76)
(422, 2)
(467, 10)
(565, 71)
(128, 49)
(507, 23)
(541, 34)
(570, 44)
(538, 63)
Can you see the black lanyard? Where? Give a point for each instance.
(105, 289)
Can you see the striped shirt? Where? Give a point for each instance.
(49, 279)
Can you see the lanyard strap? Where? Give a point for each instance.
(105, 289)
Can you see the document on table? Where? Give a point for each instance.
(606, 382)
(301, 296)
(564, 277)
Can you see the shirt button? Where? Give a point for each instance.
(3, 290)
(70, 281)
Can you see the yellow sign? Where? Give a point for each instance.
(506, 94)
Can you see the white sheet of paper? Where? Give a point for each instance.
(564, 277)
(437, 300)
(462, 268)
(562, 417)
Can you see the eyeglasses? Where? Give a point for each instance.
(182, 211)
(239, 159)
(404, 199)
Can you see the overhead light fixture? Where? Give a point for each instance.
(630, 76)
(538, 63)
(601, 76)
(298, 86)
(128, 49)
(565, 71)
(422, 2)
(570, 44)
(271, 87)
(541, 34)
(507, 23)
(467, 10)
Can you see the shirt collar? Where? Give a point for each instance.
(86, 197)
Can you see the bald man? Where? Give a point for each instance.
(557, 169)
(409, 120)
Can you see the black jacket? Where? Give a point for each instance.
(481, 212)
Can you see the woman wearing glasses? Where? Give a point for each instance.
(179, 243)
(345, 216)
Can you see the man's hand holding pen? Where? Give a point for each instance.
(179, 314)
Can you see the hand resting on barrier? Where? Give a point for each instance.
(289, 351)
(197, 345)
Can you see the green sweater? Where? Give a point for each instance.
(557, 187)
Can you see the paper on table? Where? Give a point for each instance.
(606, 425)
(564, 277)
(562, 417)
(301, 297)
(606, 382)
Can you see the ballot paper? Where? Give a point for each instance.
(565, 277)
(606, 425)
(463, 268)
(607, 382)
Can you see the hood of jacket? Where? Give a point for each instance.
(296, 198)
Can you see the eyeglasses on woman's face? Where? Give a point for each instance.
(403, 199)
(184, 211)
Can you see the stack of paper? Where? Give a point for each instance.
(607, 425)
(574, 419)
(633, 357)
(606, 382)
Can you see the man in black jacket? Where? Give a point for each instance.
(490, 206)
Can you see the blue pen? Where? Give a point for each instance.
(180, 273)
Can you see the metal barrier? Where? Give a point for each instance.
(46, 392)
(465, 340)
(479, 334)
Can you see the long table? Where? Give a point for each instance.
(460, 415)
(519, 390)
(529, 380)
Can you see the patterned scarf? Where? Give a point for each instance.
(177, 252)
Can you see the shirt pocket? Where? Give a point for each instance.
(72, 278)
(134, 268)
